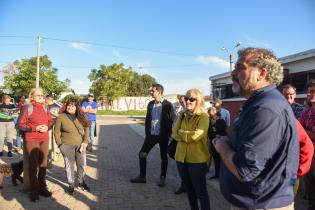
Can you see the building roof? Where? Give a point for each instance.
(220, 76)
(298, 56)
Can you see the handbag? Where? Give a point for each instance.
(171, 149)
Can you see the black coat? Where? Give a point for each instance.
(167, 118)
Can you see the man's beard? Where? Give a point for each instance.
(247, 89)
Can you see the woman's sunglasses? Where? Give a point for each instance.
(191, 99)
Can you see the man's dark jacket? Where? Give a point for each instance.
(167, 117)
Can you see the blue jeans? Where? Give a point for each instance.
(194, 178)
(18, 139)
(92, 130)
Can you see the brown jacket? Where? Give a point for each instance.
(70, 132)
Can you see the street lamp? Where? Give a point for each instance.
(231, 54)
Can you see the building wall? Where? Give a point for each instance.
(300, 65)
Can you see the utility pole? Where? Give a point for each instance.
(231, 54)
(38, 60)
(26, 173)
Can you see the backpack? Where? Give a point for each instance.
(29, 112)
(30, 109)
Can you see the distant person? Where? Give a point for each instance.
(289, 93)
(307, 120)
(158, 129)
(72, 130)
(260, 162)
(192, 154)
(6, 125)
(217, 126)
(306, 154)
(35, 121)
(179, 110)
(54, 112)
(238, 116)
(225, 114)
(89, 107)
(21, 102)
(19, 137)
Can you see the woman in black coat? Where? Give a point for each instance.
(217, 126)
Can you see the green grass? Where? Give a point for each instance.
(129, 112)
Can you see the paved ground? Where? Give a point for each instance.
(111, 165)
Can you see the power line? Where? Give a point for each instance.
(22, 37)
(106, 45)
(133, 67)
(119, 46)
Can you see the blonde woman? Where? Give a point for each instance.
(35, 121)
(192, 154)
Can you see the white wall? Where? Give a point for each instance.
(130, 103)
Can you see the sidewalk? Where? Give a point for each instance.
(113, 162)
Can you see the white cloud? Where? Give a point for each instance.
(81, 46)
(213, 60)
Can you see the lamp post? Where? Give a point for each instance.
(231, 54)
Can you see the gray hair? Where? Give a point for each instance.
(264, 58)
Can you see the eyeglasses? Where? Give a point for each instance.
(191, 99)
(289, 94)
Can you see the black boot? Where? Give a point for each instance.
(43, 191)
(34, 197)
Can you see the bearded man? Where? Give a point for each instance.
(260, 161)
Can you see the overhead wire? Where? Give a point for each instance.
(115, 46)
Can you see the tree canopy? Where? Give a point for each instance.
(20, 77)
(115, 81)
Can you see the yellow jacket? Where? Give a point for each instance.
(192, 138)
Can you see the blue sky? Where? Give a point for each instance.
(189, 33)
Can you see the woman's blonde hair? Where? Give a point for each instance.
(5, 97)
(31, 95)
(200, 102)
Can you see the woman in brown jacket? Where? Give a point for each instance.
(72, 135)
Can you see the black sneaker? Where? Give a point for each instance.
(83, 186)
(70, 189)
(44, 192)
(89, 148)
(10, 154)
(138, 179)
(34, 197)
(1, 153)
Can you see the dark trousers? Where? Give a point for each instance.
(38, 160)
(309, 180)
(194, 178)
(149, 143)
(216, 158)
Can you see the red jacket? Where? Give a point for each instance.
(306, 151)
(28, 123)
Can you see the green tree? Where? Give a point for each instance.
(140, 84)
(22, 78)
(111, 81)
